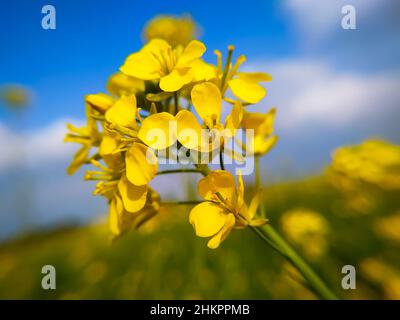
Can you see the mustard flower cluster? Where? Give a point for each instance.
(129, 128)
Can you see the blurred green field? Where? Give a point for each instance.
(166, 261)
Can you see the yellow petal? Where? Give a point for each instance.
(240, 192)
(207, 219)
(215, 241)
(133, 197)
(175, 80)
(120, 84)
(108, 147)
(115, 213)
(141, 164)
(207, 101)
(188, 130)
(202, 71)
(255, 76)
(247, 91)
(234, 119)
(255, 202)
(193, 51)
(79, 159)
(108, 144)
(99, 101)
(263, 124)
(146, 64)
(158, 130)
(220, 181)
(263, 145)
(123, 112)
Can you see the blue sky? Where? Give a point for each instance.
(93, 38)
(332, 87)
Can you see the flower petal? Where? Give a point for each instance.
(119, 84)
(188, 129)
(247, 91)
(123, 112)
(255, 76)
(158, 130)
(207, 219)
(202, 71)
(114, 216)
(215, 241)
(141, 164)
(220, 181)
(146, 64)
(133, 197)
(193, 51)
(175, 80)
(234, 119)
(207, 101)
(99, 101)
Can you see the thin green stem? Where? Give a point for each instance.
(176, 103)
(226, 68)
(259, 233)
(221, 160)
(279, 244)
(179, 171)
(314, 281)
(270, 235)
(257, 168)
(173, 203)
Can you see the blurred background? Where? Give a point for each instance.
(332, 87)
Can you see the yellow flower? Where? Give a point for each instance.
(244, 85)
(207, 101)
(99, 101)
(88, 136)
(223, 208)
(308, 229)
(120, 84)
(174, 30)
(158, 61)
(123, 112)
(389, 227)
(375, 162)
(129, 203)
(263, 126)
(121, 220)
(15, 95)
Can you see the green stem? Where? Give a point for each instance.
(270, 235)
(221, 160)
(257, 168)
(179, 171)
(189, 202)
(176, 103)
(226, 68)
(314, 281)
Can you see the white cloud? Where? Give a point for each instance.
(309, 93)
(317, 19)
(38, 146)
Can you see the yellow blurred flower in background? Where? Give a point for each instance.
(15, 96)
(375, 162)
(389, 227)
(176, 30)
(383, 275)
(308, 229)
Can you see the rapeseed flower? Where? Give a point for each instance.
(158, 61)
(173, 29)
(223, 209)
